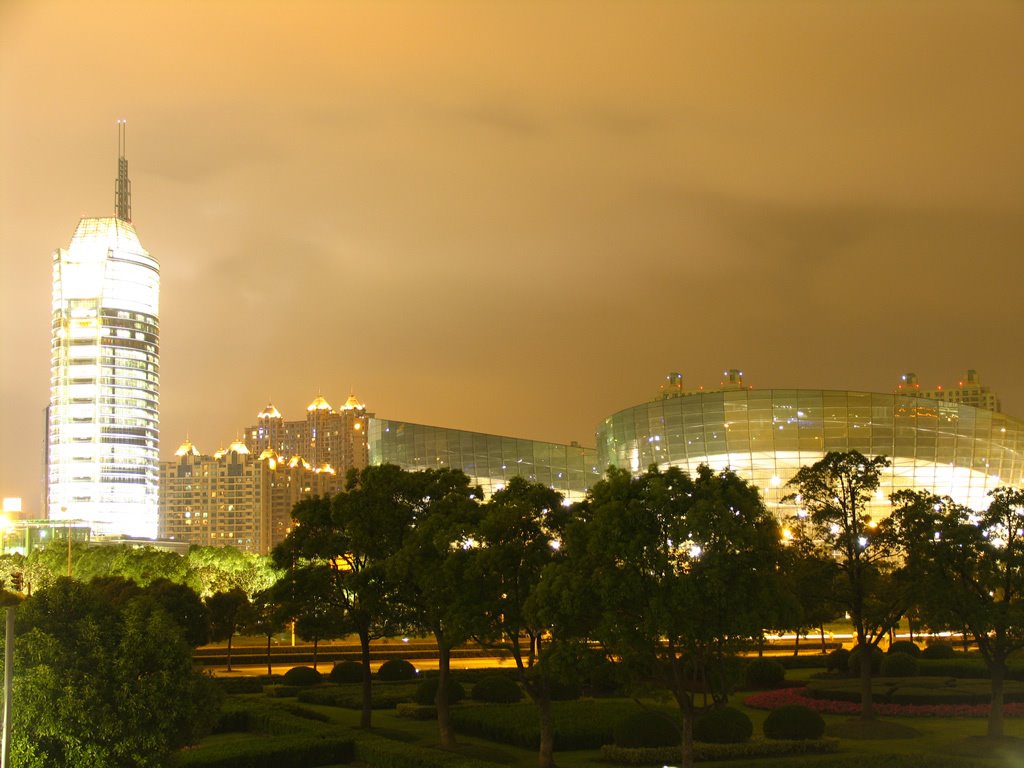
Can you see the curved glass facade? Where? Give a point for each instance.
(489, 460)
(103, 424)
(765, 436)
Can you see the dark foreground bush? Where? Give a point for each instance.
(427, 691)
(725, 725)
(838, 661)
(396, 669)
(497, 689)
(905, 646)
(302, 676)
(346, 672)
(795, 722)
(646, 729)
(900, 665)
(280, 752)
(765, 673)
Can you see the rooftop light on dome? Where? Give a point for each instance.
(238, 447)
(186, 449)
(352, 403)
(270, 412)
(320, 404)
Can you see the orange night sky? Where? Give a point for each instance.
(517, 217)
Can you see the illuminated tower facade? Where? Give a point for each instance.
(103, 427)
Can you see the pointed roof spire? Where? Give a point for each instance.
(122, 187)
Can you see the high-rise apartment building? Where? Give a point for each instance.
(326, 437)
(236, 498)
(103, 418)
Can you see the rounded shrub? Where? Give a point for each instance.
(396, 669)
(838, 661)
(725, 725)
(765, 673)
(346, 672)
(853, 663)
(646, 729)
(496, 689)
(301, 676)
(905, 646)
(794, 721)
(426, 693)
(938, 650)
(900, 665)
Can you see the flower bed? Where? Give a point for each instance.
(777, 698)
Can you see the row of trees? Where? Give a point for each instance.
(669, 574)
(666, 573)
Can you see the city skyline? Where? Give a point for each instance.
(511, 218)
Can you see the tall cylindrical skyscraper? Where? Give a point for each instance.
(103, 440)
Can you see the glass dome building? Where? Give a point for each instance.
(766, 436)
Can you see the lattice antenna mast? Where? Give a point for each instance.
(123, 186)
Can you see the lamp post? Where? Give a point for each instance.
(5, 746)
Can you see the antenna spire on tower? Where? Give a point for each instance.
(123, 186)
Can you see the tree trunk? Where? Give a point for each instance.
(229, 653)
(316, 642)
(821, 631)
(686, 729)
(546, 755)
(444, 715)
(796, 644)
(867, 709)
(364, 651)
(270, 670)
(995, 716)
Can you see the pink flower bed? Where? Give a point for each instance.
(782, 696)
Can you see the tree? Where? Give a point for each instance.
(684, 571)
(103, 684)
(183, 605)
(428, 569)
(348, 540)
(809, 576)
(519, 536)
(229, 612)
(968, 571)
(267, 618)
(313, 606)
(833, 495)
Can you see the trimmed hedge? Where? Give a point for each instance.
(764, 673)
(350, 696)
(708, 752)
(240, 684)
(387, 753)
(412, 711)
(302, 676)
(497, 689)
(583, 724)
(396, 669)
(281, 752)
(853, 662)
(426, 693)
(838, 661)
(725, 725)
(939, 650)
(794, 722)
(646, 729)
(905, 646)
(346, 672)
(900, 664)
